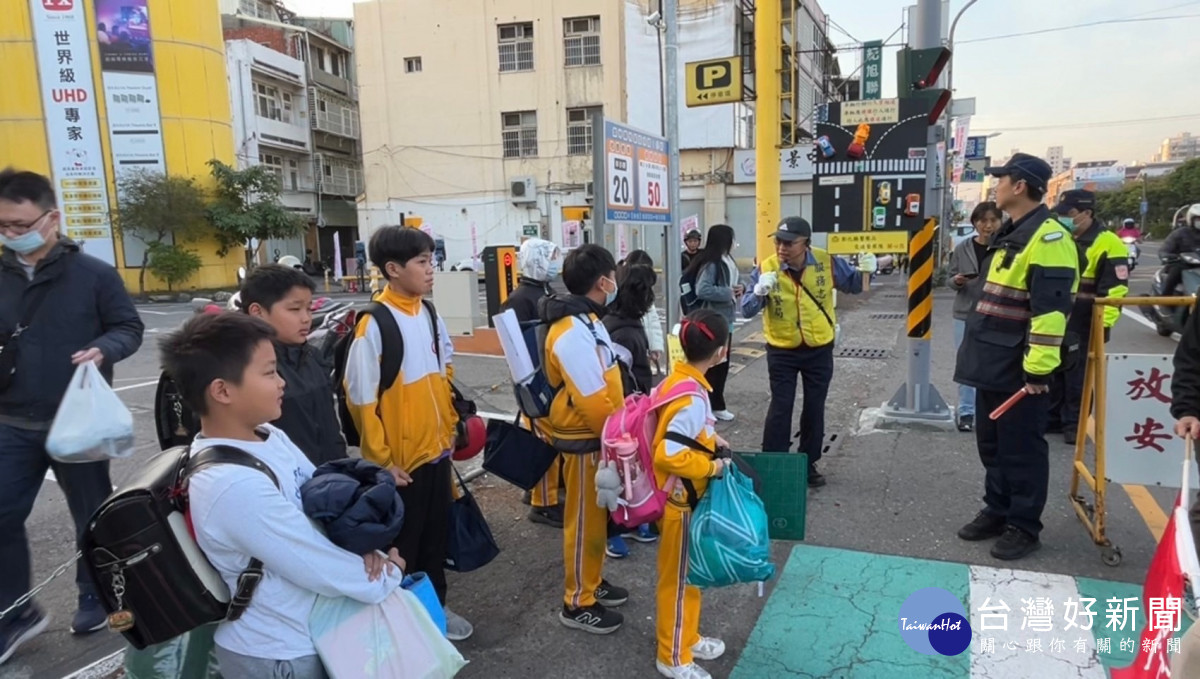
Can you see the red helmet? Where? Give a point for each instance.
(475, 435)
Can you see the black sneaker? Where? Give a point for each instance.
(594, 619)
(984, 526)
(90, 616)
(1015, 544)
(1069, 436)
(550, 516)
(815, 478)
(966, 423)
(19, 629)
(610, 595)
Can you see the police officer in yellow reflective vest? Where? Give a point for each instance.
(1013, 342)
(795, 286)
(1104, 272)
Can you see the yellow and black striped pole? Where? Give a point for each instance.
(920, 281)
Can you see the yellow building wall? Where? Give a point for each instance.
(189, 63)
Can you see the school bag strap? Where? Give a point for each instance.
(252, 575)
(392, 341)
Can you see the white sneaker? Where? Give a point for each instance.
(689, 671)
(723, 415)
(457, 627)
(708, 648)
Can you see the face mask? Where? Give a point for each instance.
(1068, 222)
(28, 242)
(610, 296)
(553, 268)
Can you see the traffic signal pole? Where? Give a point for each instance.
(768, 40)
(917, 401)
(674, 240)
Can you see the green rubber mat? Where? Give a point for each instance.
(784, 479)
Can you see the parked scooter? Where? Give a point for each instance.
(1171, 319)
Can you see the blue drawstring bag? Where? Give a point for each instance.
(420, 585)
(729, 542)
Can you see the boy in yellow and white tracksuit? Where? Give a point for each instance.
(703, 335)
(580, 363)
(410, 426)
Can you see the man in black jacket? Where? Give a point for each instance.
(59, 308)
(1185, 393)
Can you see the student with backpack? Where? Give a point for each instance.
(580, 366)
(538, 261)
(406, 420)
(624, 324)
(225, 368)
(716, 287)
(684, 443)
(652, 320)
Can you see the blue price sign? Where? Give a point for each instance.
(635, 176)
(976, 148)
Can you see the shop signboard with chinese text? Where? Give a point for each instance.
(872, 69)
(635, 179)
(64, 61)
(1139, 438)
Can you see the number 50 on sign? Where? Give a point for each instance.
(652, 173)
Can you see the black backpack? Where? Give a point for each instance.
(687, 287)
(389, 364)
(141, 553)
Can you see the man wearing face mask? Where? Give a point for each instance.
(1104, 272)
(59, 308)
(795, 288)
(1013, 342)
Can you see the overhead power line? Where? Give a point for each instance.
(1090, 124)
(1072, 27)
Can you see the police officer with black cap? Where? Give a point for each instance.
(1103, 272)
(1013, 342)
(795, 288)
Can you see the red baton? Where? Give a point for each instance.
(1004, 407)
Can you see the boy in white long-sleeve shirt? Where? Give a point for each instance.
(224, 367)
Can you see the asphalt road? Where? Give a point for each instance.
(902, 493)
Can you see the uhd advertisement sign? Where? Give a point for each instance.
(64, 61)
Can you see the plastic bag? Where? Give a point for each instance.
(395, 639)
(92, 424)
(729, 542)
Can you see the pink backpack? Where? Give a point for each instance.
(628, 442)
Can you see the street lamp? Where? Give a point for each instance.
(949, 194)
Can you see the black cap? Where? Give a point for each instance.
(792, 228)
(692, 234)
(1035, 171)
(1078, 199)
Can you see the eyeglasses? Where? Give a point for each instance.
(22, 227)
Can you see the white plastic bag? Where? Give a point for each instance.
(396, 639)
(92, 424)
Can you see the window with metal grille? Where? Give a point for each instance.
(579, 130)
(516, 47)
(581, 41)
(412, 64)
(519, 133)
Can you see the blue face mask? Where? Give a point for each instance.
(553, 268)
(610, 296)
(1068, 222)
(28, 242)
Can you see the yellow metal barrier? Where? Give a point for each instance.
(1093, 514)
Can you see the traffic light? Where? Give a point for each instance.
(918, 71)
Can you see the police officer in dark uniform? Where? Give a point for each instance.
(1013, 342)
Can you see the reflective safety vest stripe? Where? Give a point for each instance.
(790, 316)
(1028, 294)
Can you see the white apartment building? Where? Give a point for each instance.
(1180, 147)
(477, 124)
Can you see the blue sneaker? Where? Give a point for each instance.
(642, 534)
(617, 549)
(21, 628)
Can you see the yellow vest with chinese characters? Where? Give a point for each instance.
(791, 317)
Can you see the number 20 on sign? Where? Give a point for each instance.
(620, 175)
(652, 173)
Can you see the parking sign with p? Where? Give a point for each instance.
(714, 81)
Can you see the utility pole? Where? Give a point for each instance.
(948, 207)
(674, 244)
(918, 401)
(768, 40)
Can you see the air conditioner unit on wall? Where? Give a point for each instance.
(589, 190)
(522, 190)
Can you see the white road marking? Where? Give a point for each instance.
(101, 668)
(136, 386)
(1125, 311)
(464, 353)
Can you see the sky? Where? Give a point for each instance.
(1061, 88)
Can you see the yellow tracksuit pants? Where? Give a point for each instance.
(545, 493)
(585, 530)
(678, 603)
